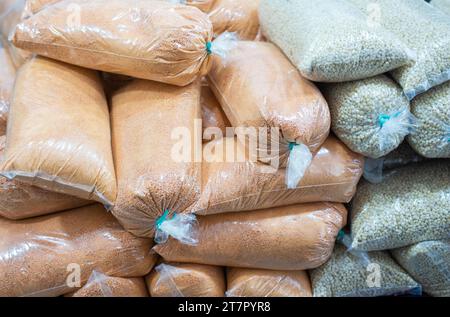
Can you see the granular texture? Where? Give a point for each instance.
(212, 113)
(266, 283)
(349, 274)
(204, 5)
(7, 77)
(20, 201)
(186, 280)
(240, 17)
(431, 137)
(428, 263)
(443, 5)
(240, 185)
(410, 206)
(371, 116)
(297, 237)
(58, 132)
(34, 6)
(147, 39)
(152, 175)
(426, 31)
(39, 256)
(331, 40)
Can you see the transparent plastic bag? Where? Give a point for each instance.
(331, 40)
(297, 237)
(212, 113)
(443, 5)
(149, 120)
(7, 77)
(426, 31)
(259, 88)
(34, 6)
(186, 280)
(267, 283)
(428, 263)
(410, 206)
(59, 135)
(371, 116)
(53, 255)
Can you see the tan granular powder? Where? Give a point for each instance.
(266, 283)
(34, 6)
(246, 185)
(7, 77)
(151, 179)
(186, 280)
(297, 237)
(147, 39)
(38, 255)
(258, 86)
(59, 134)
(212, 113)
(236, 16)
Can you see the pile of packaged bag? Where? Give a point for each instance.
(123, 172)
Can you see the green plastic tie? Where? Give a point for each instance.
(340, 235)
(208, 48)
(383, 118)
(291, 145)
(161, 219)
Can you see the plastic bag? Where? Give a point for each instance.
(428, 262)
(410, 206)
(52, 255)
(265, 283)
(426, 31)
(155, 175)
(59, 133)
(331, 40)
(443, 5)
(34, 6)
(186, 280)
(147, 39)
(431, 137)
(258, 87)
(240, 185)
(7, 77)
(297, 237)
(212, 113)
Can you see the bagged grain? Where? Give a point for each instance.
(154, 181)
(297, 237)
(371, 116)
(258, 87)
(265, 283)
(241, 185)
(5, 5)
(426, 31)
(443, 5)
(58, 132)
(410, 206)
(428, 263)
(101, 285)
(42, 256)
(156, 40)
(431, 137)
(186, 280)
(32, 7)
(212, 113)
(7, 77)
(330, 40)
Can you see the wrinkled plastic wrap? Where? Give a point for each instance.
(240, 185)
(428, 263)
(331, 40)
(148, 121)
(34, 6)
(443, 5)
(59, 133)
(186, 280)
(258, 87)
(7, 77)
(410, 206)
(212, 113)
(47, 256)
(5, 5)
(297, 237)
(266, 283)
(431, 138)
(426, 31)
(147, 39)
(371, 116)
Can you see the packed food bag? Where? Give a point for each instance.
(428, 263)
(212, 114)
(267, 283)
(156, 40)
(410, 206)
(5, 5)
(331, 40)
(156, 180)
(293, 238)
(233, 182)
(59, 133)
(7, 77)
(443, 5)
(371, 116)
(426, 31)
(52, 255)
(32, 7)
(258, 87)
(431, 137)
(186, 280)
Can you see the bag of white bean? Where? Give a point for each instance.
(443, 5)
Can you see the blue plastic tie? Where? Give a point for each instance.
(161, 219)
(340, 235)
(291, 145)
(383, 118)
(208, 48)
